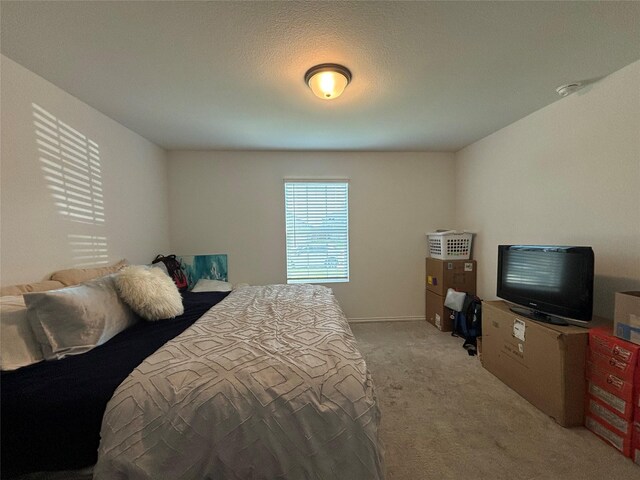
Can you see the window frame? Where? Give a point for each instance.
(342, 247)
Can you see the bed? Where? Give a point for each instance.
(267, 384)
(52, 411)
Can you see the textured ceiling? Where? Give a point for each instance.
(229, 75)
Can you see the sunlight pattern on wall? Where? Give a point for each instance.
(71, 164)
(88, 250)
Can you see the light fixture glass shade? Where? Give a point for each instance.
(328, 81)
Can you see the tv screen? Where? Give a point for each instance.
(547, 280)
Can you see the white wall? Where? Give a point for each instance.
(35, 238)
(566, 174)
(233, 203)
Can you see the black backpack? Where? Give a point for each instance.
(174, 267)
(468, 323)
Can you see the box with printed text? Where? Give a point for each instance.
(544, 363)
(602, 341)
(617, 393)
(613, 371)
(597, 409)
(626, 318)
(609, 434)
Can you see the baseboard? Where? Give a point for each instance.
(383, 319)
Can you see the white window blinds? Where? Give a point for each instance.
(317, 229)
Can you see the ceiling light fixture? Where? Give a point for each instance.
(569, 88)
(327, 80)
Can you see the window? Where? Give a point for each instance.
(317, 229)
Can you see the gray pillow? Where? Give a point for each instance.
(73, 320)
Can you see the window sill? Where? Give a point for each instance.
(320, 280)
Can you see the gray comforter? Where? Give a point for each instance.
(268, 384)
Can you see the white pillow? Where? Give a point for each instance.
(149, 292)
(18, 345)
(207, 285)
(75, 319)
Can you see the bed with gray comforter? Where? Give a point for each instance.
(268, 384)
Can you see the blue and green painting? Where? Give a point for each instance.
(195, 267)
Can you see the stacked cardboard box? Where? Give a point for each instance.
(613, 390)
(627, 316)
(442, 275)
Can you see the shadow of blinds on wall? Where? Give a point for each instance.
(71, 163)
(87, 250)
(71, 166)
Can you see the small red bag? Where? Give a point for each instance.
(174, 267)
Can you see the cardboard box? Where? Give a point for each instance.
(437, 313)
(626, 319)
(445, 274)
(596, 409)
(613, 365)
(602, 341)
(609, 435)
(612, 371)
(622, 407)
(544, 363)
(610, 382)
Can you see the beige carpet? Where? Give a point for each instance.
(446, 417)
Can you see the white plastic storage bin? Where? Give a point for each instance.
(450, 245)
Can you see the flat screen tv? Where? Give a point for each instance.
(547, 282)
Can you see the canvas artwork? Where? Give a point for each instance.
(195, 267)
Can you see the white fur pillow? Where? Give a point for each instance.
(149, 292)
